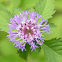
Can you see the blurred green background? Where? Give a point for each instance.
(8, 53)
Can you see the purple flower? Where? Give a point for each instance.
(24, 28)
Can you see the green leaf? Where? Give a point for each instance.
(55, 27)
(45, 8)
(4, 19)
(51, 33)
(55, 44)
(53, 50)
(51, 55)
(28, 4)
(37, 57)
(25, 54)
(57, 20)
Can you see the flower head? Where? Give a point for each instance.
(24, 28)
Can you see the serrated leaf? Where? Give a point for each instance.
(53, 50)
(45, 8)
(4, 19)
(55, 44)
(55, 27)
(51, 55)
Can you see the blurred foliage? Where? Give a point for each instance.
(10, 4)
(48, 52)
(8, 53)
(28, 3)
(58, 5)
